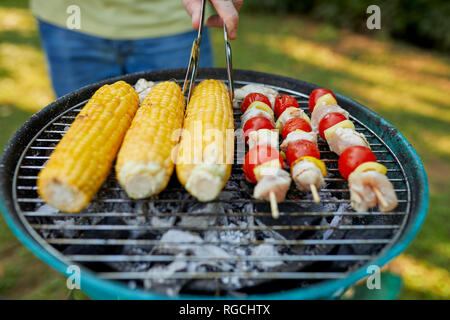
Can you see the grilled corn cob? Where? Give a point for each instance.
(144, 163)
(83, 158)
(206, 150)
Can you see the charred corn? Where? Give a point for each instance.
(206, 150)
(144, 163)
(83, 158)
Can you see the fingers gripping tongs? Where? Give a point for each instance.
(191, 73)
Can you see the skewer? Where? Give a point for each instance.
(274, 205)
(380, 196)
(315, 194)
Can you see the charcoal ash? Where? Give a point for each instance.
(181, 239)
(209, 245)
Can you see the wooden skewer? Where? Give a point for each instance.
(274, 205)
(380, 197)
(315, 194)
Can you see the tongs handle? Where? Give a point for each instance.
(229, 64)
(191, 73)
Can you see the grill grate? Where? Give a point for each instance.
(101, 225)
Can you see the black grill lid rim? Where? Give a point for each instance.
(394, 139)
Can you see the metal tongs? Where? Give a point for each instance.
(191, 73)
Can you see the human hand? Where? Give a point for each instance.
(227, 12)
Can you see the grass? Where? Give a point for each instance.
(407, 86)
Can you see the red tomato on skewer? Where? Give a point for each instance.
(257, 156)
(252, 97)
(316, 94)
(257, 123)
(282, 102)
(301, 148)
(294, 124)
(329, 120)
(352, 157)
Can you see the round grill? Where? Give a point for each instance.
(321, 242)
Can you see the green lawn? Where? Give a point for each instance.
(407, 86)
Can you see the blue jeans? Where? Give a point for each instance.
(76, 59)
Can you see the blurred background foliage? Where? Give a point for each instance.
(422, 22)
(322, 42)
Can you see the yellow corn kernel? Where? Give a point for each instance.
(371, 166)
(346, 124)
(144, 163)
(83, 158)
(319, 163)
(206, 150)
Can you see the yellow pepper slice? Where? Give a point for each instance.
(371, 166)
(329, 133)
(319, 163)
(262, 106)
(326, 99)
(266, 167)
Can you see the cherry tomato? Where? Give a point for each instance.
(301, 148)
(329, 120)
(352, 157)
(316, 94)
(256, 156)
(282, 102)
(252, 97)
(294, 124)
(257, 123)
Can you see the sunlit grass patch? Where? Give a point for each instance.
(26, 85)
(23, 78)
(15, 19)
(423, 278)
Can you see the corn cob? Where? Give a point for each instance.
(83, 158)
(144, 163)
(206, 150)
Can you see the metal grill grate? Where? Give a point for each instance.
(100, 226)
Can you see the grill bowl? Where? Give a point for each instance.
(411, 168)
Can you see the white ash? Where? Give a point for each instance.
(45, 208)
(213, 246)
(162, 222)
(336, 220)
(205, 250)
(222, 244)
(267, 250)
(64, 222)
(203, 220)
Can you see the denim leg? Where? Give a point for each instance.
(168, 52)
(75, 59)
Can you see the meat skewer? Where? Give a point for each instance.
(272, 183)
(294, 124)
(263, 166)
(367, 179)
(307, 170)
(300, 146)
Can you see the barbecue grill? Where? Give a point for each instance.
(330, 246)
